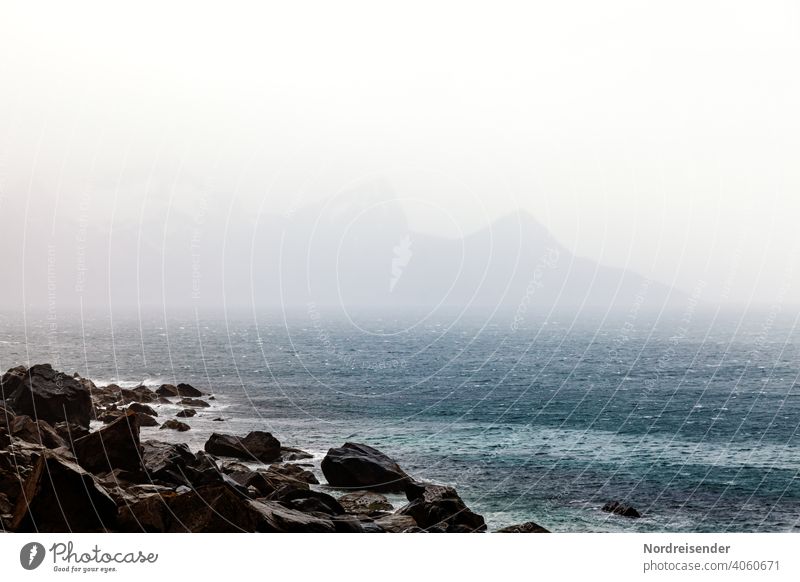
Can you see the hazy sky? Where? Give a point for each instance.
(661, 136)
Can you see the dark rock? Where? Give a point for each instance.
(440, 506)
(146, 419)
(216, 509)
(186, 413)
(308, 501)
(193, 403)
(173, 424)
(257, 445)
(527, 527)
(167, 391)
(39, 432)
(142, 408)
(622, 509)
(365, 502)
(294, 473)
(188, 390)
(59, 496)
(70, 432)
(5, 438)
(218, 419)
(363, 467)
(166, 462)
(46, 394)
(292, 454)
(115, 446)
(141, 394)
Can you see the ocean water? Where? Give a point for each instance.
(691, 418)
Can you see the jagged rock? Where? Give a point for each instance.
(396, 523)
(440, 506)
(59, 496)
(193, 403)
(39, 432)
(622, 509)
(142, 408)
(173, 424)
(115, 446)
(70, 432)
(527, 527)
(186, 413)
(257, 445)
(167, 391)
(363, 467)
(294, 473)
(146, 419)
(166, 462)
(365, 502)
(46, 394)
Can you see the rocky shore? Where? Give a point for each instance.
(58, 474)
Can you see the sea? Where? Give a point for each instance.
(691, 418)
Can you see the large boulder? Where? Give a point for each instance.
(141, 394)
(527, 527)
(167, 390)
(257, 445)
(619, 508)
(363, 467)
(396, 523)
(188, 390)
(294, 472)
(59, 496)
(115, 446)
(439, 506)
(46, 394)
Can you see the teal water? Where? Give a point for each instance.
(695, 423)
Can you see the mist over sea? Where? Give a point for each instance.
(690, 417)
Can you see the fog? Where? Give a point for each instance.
(164, 155)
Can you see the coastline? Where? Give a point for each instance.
(112, 458)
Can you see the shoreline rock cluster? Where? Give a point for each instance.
(59, 475)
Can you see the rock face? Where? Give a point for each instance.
(173, 424)
(45, 394)
(363, 467)
(59, 496)
(365, 502)
(115, 446)
(439, 506)
(527, 527)
(166, 462)
(622, 509)
(257, 445)
(38, 432)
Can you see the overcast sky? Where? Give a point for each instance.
(659, 136)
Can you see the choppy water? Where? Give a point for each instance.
(694, 421)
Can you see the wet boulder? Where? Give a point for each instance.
(439, 506)
(367, 502)
(619, 508)
(47, 394)
(115, 446)
(363, 467)
(257, 445)
(173, 424)
(527, 527)
(60, 496)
